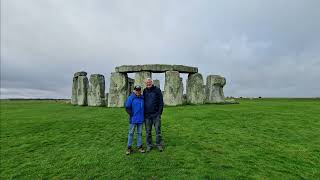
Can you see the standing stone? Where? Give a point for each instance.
(82, 90)
(130, 85)
(74, 100)
(106, 99)
(96, 96)
(140, 78)
(184, 100)
(214, 89)
(118, 90)
(181, 85)
(75, 84)
(195, 90)
(156, 82)
(80, 73)
(173, 89)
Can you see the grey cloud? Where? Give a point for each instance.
(264, 48)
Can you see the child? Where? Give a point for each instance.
(135, 109)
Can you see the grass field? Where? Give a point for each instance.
(259, 139)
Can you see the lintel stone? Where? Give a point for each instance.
(81, 73)
(156, 68)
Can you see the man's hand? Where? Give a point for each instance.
(129, 111)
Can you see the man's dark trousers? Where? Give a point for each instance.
(156, 122)
(153, 107)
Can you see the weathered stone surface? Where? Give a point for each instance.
(140, 78)
(157, 68)
(81, 73)
(185, 69)
(130, 85)
(184, 99)
(195, 90)
(118, 90)
(128, 68)
(96, 96)
(82, 90)
(106, 99)
(214, 89)
(156, 82)
(173, 89)
(74, 96)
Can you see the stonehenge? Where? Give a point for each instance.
(214, 89)
(85, 93)
(74, 99)
(130, 84)
(92, 92)
(195, 90)
(156, 82)
(75, 85)
(140, 78)
(118, 91)
(82, 89)
(173, 89)
(96, 95)
(156, 68)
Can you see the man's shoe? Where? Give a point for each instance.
(149, 148)
(129, 151)
(141, 150)
(160, 148)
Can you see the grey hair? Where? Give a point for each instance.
(149, 79)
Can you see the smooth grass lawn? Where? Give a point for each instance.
(263, 139)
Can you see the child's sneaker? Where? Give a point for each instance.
(141, 150)
(129, 151)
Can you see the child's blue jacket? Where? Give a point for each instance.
(135, 105)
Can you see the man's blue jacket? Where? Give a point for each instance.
(135, 108)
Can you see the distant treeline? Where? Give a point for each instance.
(272, 97)
(37, 99)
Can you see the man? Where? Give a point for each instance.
(135, 109)
(153, 104)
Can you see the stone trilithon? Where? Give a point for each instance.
(92, 92)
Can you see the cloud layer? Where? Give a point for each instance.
(263, 48)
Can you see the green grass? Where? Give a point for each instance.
(259, 139)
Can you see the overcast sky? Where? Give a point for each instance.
(268, 48)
